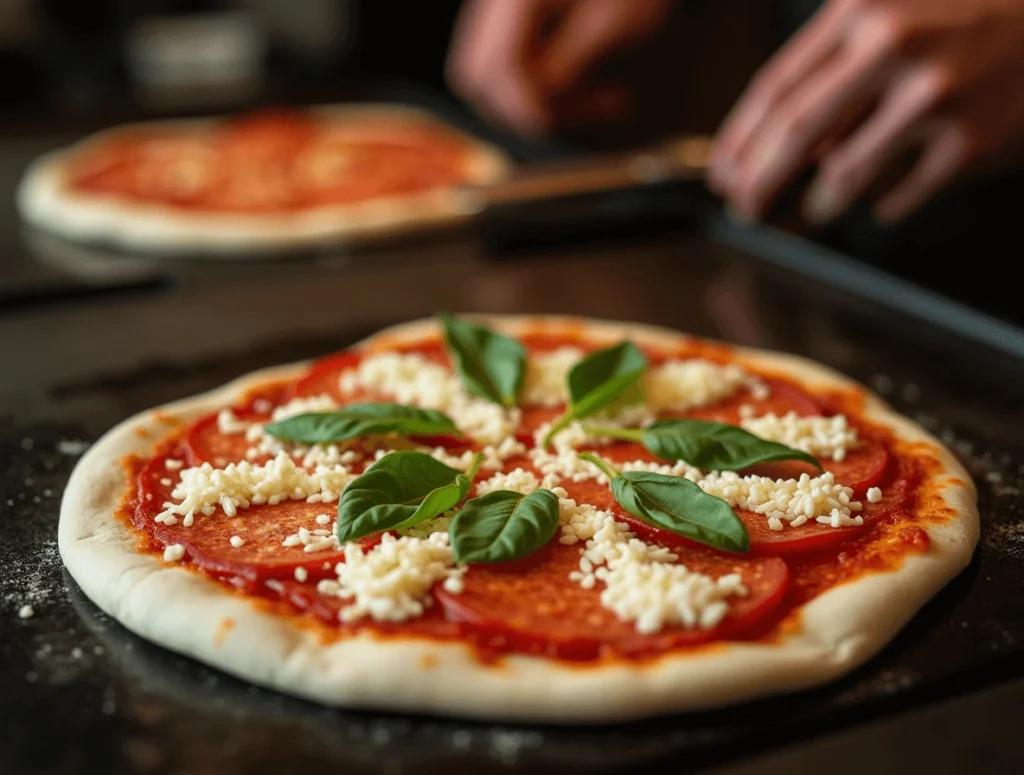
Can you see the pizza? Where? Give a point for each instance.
(260, 183)
(535, 518)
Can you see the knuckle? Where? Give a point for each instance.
(939, 81)
(887, 27)
(796, 124)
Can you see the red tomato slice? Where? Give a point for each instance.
(861, 469)
(263, 528)
(323, 375)
(206, 444)
(532, 418)
(530, 602)
(783, 397)
(763, 541)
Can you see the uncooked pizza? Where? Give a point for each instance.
(545, 519)
(270, 181)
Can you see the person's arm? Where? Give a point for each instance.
(864, 82)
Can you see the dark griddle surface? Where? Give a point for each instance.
(81, 694)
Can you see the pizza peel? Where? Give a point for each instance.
(681, 159)
(589, 197)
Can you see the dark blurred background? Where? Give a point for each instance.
(82, 61)
(75, 66)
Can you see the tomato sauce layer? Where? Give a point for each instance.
(530, 606)
(272, 162)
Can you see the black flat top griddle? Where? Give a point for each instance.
(83, 695)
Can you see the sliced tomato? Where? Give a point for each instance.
(323, 375)
(861, 469)
(206, 444)
(262, 528)
(532, 418)
(782, 398)
(531, 605)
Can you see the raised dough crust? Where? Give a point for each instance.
(182, 611)
(44, 201)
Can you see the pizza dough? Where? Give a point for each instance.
(46, 200)
(183, 611)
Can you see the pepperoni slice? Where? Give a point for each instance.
(782, 398)
(532, 418)
(872, 461)
(206, 444)
(861, 469)
(531, 603)
(322, 377)
(263, 529)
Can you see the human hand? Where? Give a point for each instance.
(530, 64)
(862, 84)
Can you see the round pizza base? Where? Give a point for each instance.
(44, 201)
(182, 611)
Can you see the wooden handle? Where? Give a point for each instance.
(683, 158)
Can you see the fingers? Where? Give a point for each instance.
(942, 159)
(523, 62)
(786, 142)
(491, 64)
(593, 30)
(848, 170)
(815, 44)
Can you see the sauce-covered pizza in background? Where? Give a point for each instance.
(265, 182)
(534, 518)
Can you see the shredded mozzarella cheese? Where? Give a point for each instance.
(823, 437)
(391, 582)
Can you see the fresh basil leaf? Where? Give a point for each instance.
(682, 507)
(491, 365)
(707, 444)
(598, 380)
(503, 525)
(440, 500)
(716, 446)
(631, 396)
(400, 490)
(351, 422)
(677, 505)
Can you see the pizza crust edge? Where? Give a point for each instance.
(46, 203)
(178, 609)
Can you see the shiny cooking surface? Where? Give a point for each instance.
(119, 335)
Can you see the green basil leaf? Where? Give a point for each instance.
(351, 422)
(400, 490)
(503, 525)
(680, 506)
(440, 500)
(716, 446)
(707, 444)
(677, 505)
(598, 380)
(491, 365)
